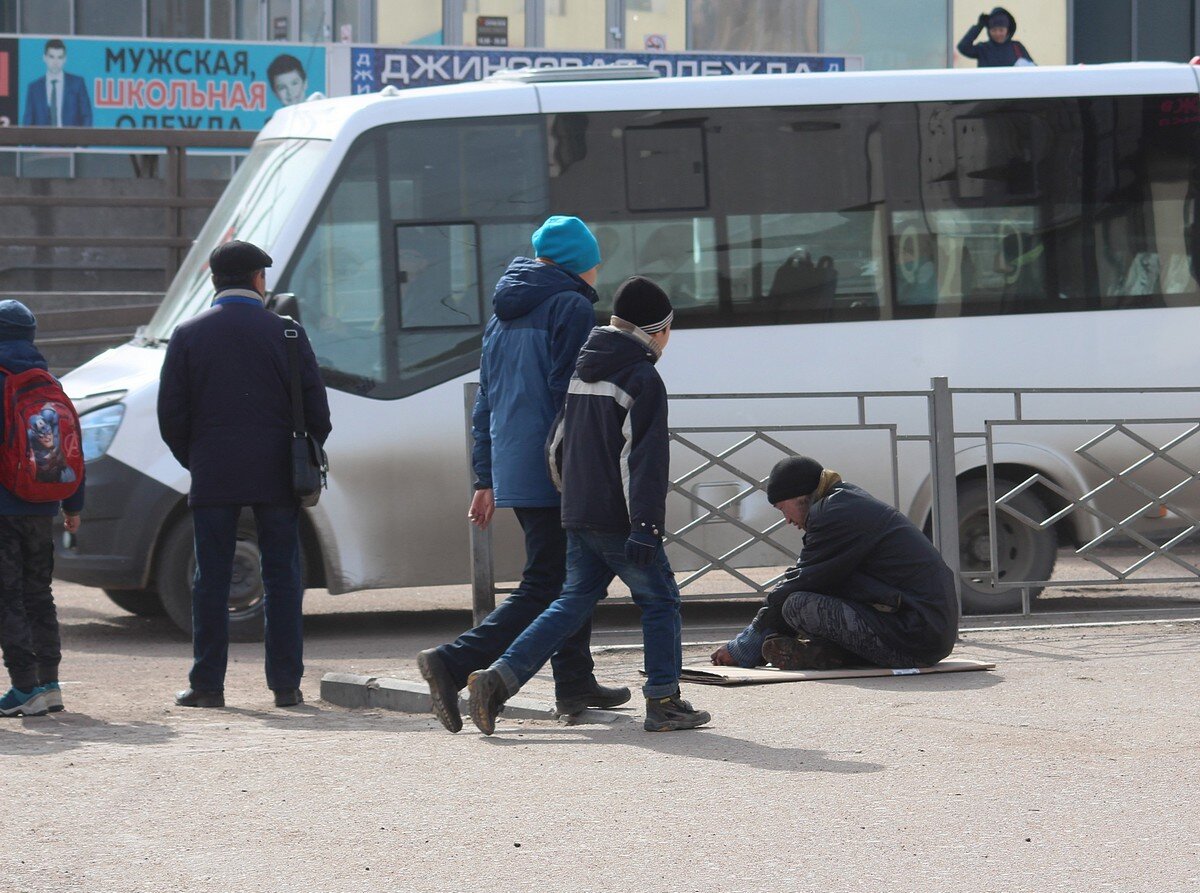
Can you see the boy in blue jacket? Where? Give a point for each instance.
(28, 621)
(610, 451)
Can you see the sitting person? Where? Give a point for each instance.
(868, 588)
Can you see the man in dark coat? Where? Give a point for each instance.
(999, 50)
(869, 587)
(224, 409)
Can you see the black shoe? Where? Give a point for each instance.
(597, 696)
(442, 692)
(790, 653)
(672, 715)
(288, 697)
(189, 697)
(487, 695)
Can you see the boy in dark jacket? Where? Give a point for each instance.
(999, 50)
(28, 620)
(543, 313)
(869, 586)
(612, 439)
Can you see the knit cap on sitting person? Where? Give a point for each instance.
(567, 242)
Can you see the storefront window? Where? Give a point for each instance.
(114, 17)
(409, 22)
(575, 24)
(656, 24)
(352, 19)
(756, 26)
(888, 34)
(494, 23)
(174, 18)
(46, 16)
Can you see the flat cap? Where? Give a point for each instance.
(237, 258)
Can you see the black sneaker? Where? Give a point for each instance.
(672, 715)
(487, 695)
(790, 653)
(190, 697)
(596, 696)
(288, 697)
(442, 692)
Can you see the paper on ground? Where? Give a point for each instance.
(711, 675)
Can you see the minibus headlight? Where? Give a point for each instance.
(98, 428)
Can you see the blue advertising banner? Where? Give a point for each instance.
(373, 68)
(196, 85)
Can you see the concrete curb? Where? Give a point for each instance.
(382, 692)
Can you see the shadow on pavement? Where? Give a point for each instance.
(702, 744)
(60, 732)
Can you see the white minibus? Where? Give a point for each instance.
(1029, 227)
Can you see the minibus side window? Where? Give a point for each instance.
(337, 277)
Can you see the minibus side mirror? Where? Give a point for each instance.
(285, 305)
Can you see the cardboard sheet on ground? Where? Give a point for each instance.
(707, 674)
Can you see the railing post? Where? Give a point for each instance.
(483, 583)
(945, 487)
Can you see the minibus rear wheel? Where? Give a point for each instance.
(1024, 552)
(177, 564)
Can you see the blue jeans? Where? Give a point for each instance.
(593, 559)
(541, 584)
(283, 595)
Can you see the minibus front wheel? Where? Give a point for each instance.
(177, 565)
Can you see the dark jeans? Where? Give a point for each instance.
(541, 584)
(28, 621)
(279, 543)
(593, 558)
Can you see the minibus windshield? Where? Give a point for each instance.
(253, 208)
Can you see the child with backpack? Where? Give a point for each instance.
(41, 469)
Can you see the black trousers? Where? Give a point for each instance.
(28, 620)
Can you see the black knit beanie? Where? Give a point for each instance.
(791, 477)
(639, 301)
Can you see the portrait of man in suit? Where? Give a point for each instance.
(58, 99)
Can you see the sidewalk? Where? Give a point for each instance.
(1071, 767)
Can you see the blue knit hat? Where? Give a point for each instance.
(568, 242)
(17, 322)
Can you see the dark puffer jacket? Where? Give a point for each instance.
(609, 446)
(861, 549)
(990, 54)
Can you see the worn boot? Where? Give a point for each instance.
(594, 695)
(442, 692)
(791, 653)
(487, 695)
(672, 714)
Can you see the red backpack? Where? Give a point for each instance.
(41, 458)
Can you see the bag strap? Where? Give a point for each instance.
(291, 338)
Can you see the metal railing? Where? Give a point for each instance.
(174, 200)
(922, 456)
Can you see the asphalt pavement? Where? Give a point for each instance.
(1071, 767)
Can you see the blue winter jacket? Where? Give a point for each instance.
(17, 356)
(610, 447)
(543, 314)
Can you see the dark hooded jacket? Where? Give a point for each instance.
(609, 448)
(990, 54)
(543, 314)
(863, 550)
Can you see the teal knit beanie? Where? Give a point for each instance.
(568, 242)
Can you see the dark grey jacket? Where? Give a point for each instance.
(861, 549)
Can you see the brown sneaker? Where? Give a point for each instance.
(790, 653)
